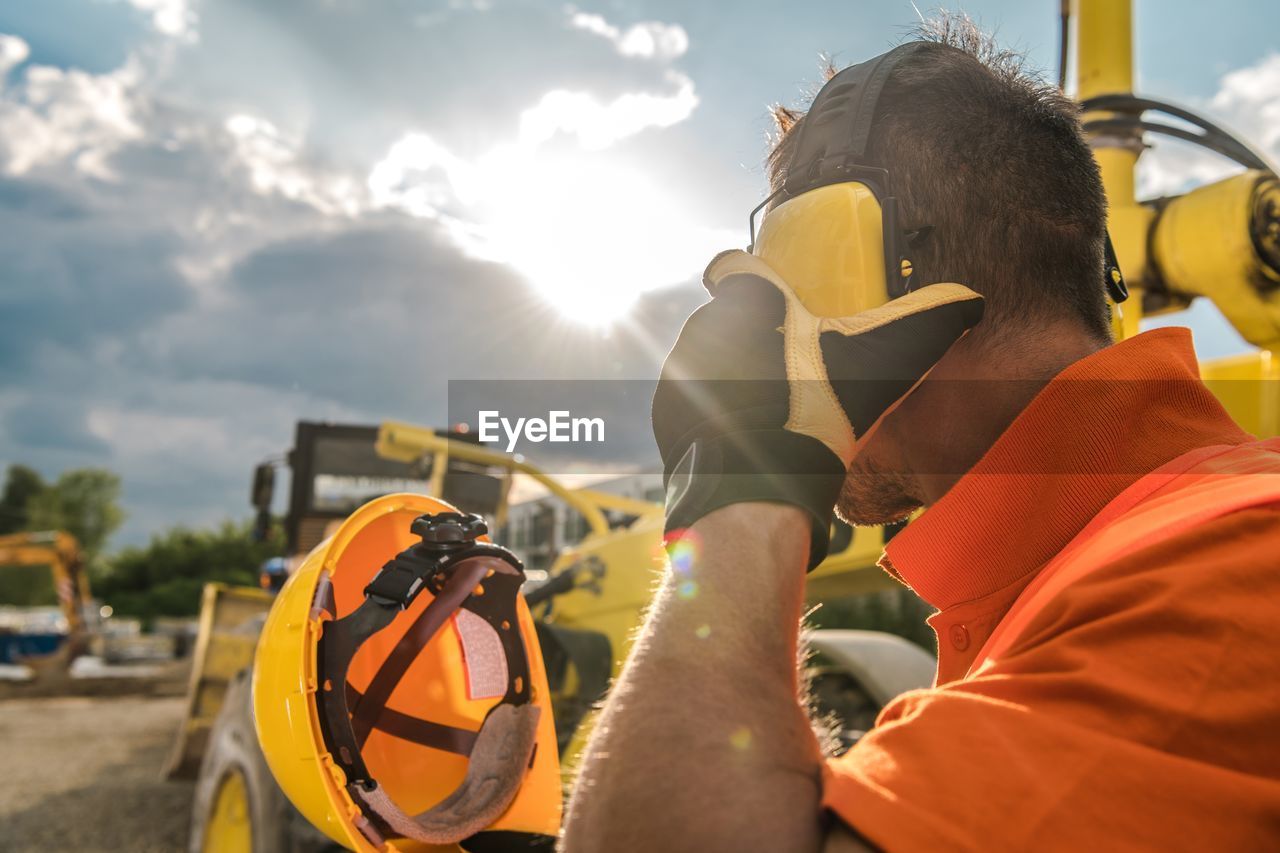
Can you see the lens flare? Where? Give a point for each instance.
(683, 547)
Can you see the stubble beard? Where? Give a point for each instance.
(872, 495)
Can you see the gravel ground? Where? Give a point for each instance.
(83, 774)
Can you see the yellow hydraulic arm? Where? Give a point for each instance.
(408, 443)
(1220, 241)
(59, 551)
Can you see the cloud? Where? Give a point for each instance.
(1252, 96)
(351, 78)
(422, 177)
(52, 422)
(371, 317)
(186, 445)
(13, 52)
(173, 18)
(74, 279)
(216, 237)
(274, 165)
(556, 202)
(1247, 103)
(647, 40)
(588, 230)
(599, 125)
(55, 115)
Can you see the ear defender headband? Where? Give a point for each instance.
(830, 149)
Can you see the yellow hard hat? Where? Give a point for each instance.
(398, 689)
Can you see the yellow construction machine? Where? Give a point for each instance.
(1220, 241)
(39, 570)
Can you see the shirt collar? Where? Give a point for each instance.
(1095, 429)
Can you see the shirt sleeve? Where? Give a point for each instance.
(1132, 709)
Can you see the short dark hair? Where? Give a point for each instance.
(995, 160)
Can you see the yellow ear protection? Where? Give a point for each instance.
(833, 233)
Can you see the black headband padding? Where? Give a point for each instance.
(834, 134)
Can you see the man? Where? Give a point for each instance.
(1091, 499)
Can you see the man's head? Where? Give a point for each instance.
(994, 160)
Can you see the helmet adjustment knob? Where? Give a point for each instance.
(449, 528)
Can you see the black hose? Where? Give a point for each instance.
(1227, 146)
(1064, 35)
(1124, 102)
(1215, 138)
(557, 585)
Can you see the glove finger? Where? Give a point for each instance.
(875, 358)
(734, 336)
(727, 362)
(734, 267)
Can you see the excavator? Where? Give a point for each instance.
(1219, 242)
(40, 569)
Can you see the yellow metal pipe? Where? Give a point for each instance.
(1104, 47)
(1204, 245)
(1104, 65)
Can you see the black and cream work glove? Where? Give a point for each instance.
(760, 400)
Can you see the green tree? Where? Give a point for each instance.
(165, 577)
(21, 484)
(85, 502)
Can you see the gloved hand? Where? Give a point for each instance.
(760, 400)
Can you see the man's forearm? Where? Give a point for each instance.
(703, 744)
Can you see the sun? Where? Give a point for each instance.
(592, 234)
(590, 230)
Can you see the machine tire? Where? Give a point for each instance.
(856, 673)
(273, 824)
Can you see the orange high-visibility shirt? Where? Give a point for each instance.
(1140, 708)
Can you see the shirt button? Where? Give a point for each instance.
(959, 637)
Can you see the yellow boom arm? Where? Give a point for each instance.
(61, 553)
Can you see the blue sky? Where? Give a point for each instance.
(217, 218)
